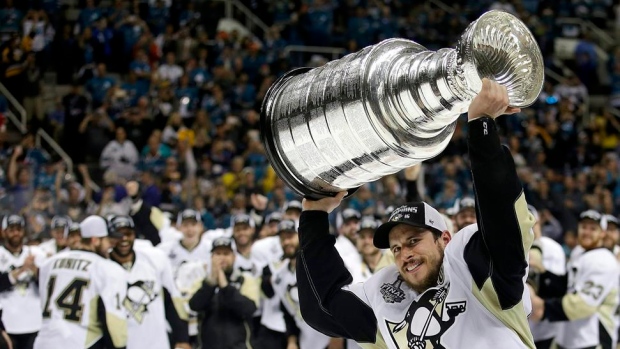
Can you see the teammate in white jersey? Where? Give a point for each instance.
(283, 286)
(152, 297)
(464, 212)
(74, 236)
(244, 229)
(590, 295)
(466, 291)
(18, 284)
(546, 258)
(59, 232)
(82, 294)
(193, 246)
(271, 329)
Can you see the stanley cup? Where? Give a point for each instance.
(391, 105)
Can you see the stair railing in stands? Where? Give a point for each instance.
(251, 20)
(22, 121)
(602, 38)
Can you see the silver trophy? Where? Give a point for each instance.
(391, 105)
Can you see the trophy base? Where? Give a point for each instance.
(268, 140)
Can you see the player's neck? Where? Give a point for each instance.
(14, 250)
(244, 250)
(190, 243)
(122, 260)
(292, 264)
(372, 260)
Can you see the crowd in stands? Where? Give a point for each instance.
(160, 95)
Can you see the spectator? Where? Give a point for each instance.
(96, 129)
(170, 71)
(33, 103)
(120, 155)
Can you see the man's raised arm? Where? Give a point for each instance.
(321, 275)
(500, 252)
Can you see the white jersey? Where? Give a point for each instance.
(21, 304)
(178, 254)
(73, 285)
(49, 247)
(284, 282)
(188, 279)
(592, 289)
(268, 252)
(147, 278)
(554, 261)
(430, 317)
(360, 273)
(245, 264)
(140, 244)
(347, 250)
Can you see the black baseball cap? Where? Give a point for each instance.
(607, 218)
(273, 217)
(242, 218)
(349, 214)
(368, 223)
(222, 242)
(416, 214)
(60, 222)
(120, 222)
(293, 205)
(591, 215)
(73, 227)
(13, 219)
(287, 225)
(460, 205)
(188, 214)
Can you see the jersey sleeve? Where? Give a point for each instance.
(167, 281)
(321, 277)
(594, 284)
(112, 290)
(498, 253)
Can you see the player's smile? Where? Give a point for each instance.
(413, 267)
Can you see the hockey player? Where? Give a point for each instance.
(59, 232)
(283, 286)
(152, 297)
(546, 258)
(193, 246)
(18, 284)
(82, 294)
(587, 303)
(442, 292)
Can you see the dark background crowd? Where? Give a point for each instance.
(154, 90)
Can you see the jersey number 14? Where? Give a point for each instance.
(69, 300)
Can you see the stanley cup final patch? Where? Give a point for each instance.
(392, 293)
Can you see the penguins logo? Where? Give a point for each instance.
(139, 295)
(426, 321)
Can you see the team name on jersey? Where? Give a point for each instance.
(71, 263)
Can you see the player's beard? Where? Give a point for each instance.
(15, 242)
(291, 255)
(102, 251)
(432, 276)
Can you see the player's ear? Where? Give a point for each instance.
(445, 237)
